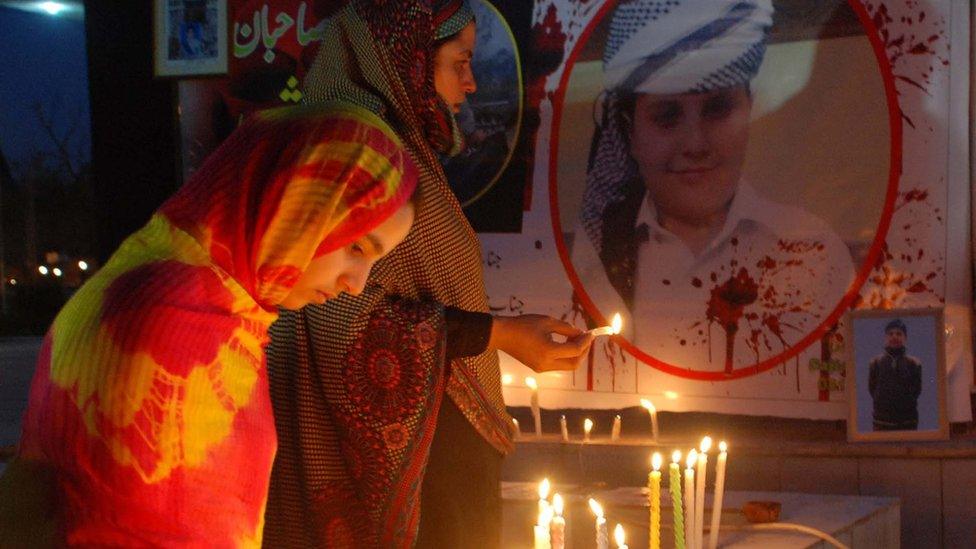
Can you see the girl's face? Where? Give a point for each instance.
(690, 148)
(346, 269)
(453, 78)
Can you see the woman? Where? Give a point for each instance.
(353, 450)
(149, 409)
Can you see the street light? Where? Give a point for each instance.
(83, 265)
(42, 269)
(56, 271)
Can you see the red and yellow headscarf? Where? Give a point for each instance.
(150, 400)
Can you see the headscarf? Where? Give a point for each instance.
(339, 468)
(664, 47)
(150, 400)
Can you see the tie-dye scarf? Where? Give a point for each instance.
(352, 454)
(150, 401)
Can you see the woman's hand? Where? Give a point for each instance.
(528, 339)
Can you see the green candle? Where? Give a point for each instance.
(675, 487)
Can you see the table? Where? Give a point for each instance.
(861, 522)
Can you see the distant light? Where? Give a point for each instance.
(42, 269)
(52, 8)
(56, 271)
(83, 265)
(507, 379)
(13, 281)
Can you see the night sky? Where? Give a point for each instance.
(43, 60)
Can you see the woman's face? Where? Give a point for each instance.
(346, 269)
(453, 78)
(689, 149)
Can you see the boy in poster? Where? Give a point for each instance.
(895, 382)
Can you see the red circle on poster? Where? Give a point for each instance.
(877, 245)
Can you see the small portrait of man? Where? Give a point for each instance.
(895, 382)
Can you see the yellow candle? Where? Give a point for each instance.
(531, 383)
(700, 477)
(558, 530)
(618, 536)
(690, 498)
(652, 411)
(675, 487)
(654, 499)
(719, 494)
(563, 428)
(587, 427)
(602, 536)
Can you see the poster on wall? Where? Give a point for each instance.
(189, 37)
(733, 178)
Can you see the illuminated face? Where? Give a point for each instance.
(690, 148)
(895, 338)
(346, 269)
(453, 78)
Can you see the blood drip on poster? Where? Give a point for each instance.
(726, 306)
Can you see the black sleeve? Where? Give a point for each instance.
(467, 332)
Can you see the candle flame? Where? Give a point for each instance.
(618, 534)
(692, 458)
(587, 425)
(656, 461)
(646, 403)
(544, 489)
(507, 379)
(596, 508)
(531, 383)
(723, 447)
(671, 395)
(706, 445)
(557, 504)
(676, 456)
(616, 324)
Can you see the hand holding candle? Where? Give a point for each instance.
(654, 499)
(676, 504)
(649, 406)
(618, 536)
(719, 493)
(613, 329)
(558, 531)
(602, 535)
(531, 383)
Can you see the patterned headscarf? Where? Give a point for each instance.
(665, 47)
(150, 399)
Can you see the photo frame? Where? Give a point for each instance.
(190, 37)
(897, 383)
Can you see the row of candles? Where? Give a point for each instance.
(688, 505)
(587, 423)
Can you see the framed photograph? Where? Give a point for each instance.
(896, 375)
(190, 37)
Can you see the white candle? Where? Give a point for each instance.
(602, 536)
(613, 329)
(652, 410)
(544, 497)
(587, 427)
(615, 430)
(531, 383)
(563, 428)
(518, 430)
(542, 537)
(700, 477)
(558, 530)
(719, 493)
(690, 499)
(618, 536)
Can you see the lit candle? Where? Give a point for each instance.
(652, 410)
(719, 493)
(558, 531)
(675, 487)
(602, 536)
(654, 499)
(587, 427)
(518, 430)
(615, 430)
(618, 536)
(531, 383)
(543, 496)
(700, 477)
(541, 530)
(563, 428)
(690, 498)
(613, 329)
